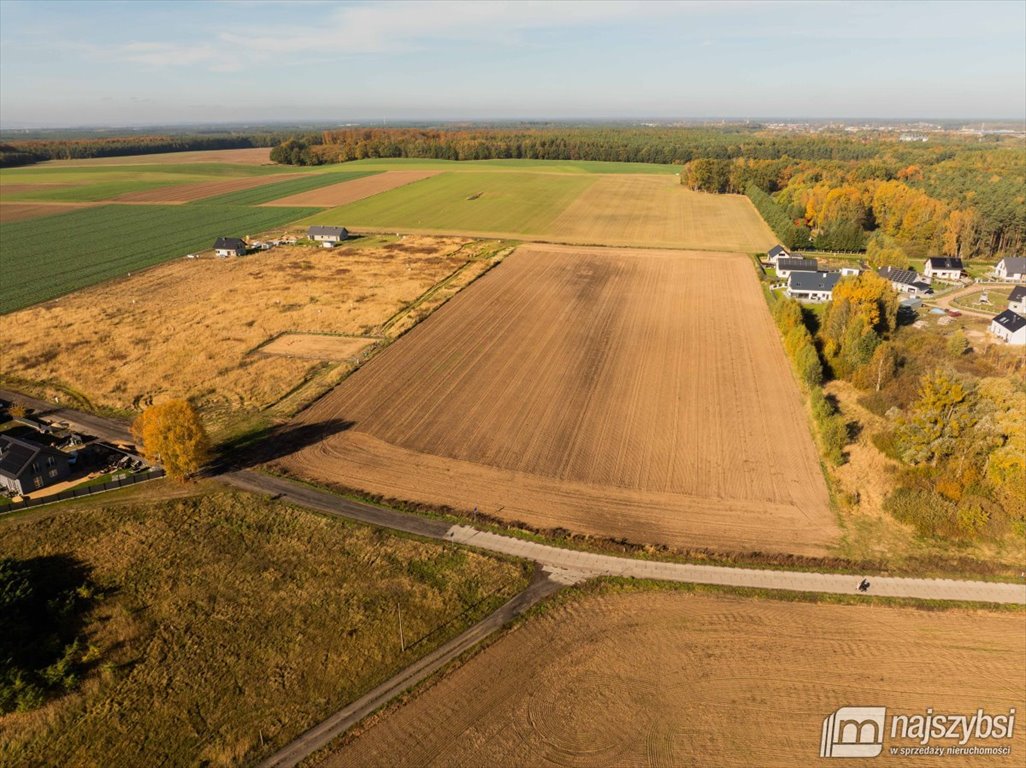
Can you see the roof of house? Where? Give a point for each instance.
(923, 287)
(1011, 320)
(16, 455)
(945, 262)
(804, 265)
(813, 281)
(229, 243)
(1014, 263)
(895, 275)
(776, 250)
(1018, 293)
(328, 231)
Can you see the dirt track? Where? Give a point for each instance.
(619, 393)
(667, 679)
(346, 192)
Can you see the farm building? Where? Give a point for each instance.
(1017, 300)
(27, 466)
(1011, 268)
(1010, 327)
(944, 268)
(812, 286)
(229, 246)
(904, 281)
(777, 252)
(327, 236)
(786, 266)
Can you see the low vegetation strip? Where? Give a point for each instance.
(356, 189)
(45, 259)
(268, 192)
(300, 609)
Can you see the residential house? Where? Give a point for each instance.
(786, 266)
(850, 271)
(26, 466)
(943, 268)
(1017, 300)
(777, 252)
(1011, 268)
(812, 286)
(904, 281)
(229, 246)
(1010, 327)
(327, 236)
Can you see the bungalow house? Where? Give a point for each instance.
(943, 268)
(904, 281)
(1011, 268)
(1017, 300)
(229, 246)
(329, 237)
(786, 266)
(27, 466)
(1010, 327)
(777, 252)
(812, 286)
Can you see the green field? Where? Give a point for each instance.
(269, 192)
(45, 258)
(535, 166)
(495, 202)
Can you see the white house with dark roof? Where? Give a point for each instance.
(1010, 327)
(778, 252)
(812, 286)
(1011, 268)
(327, 236)
(785, 266)
(229, 246)
(1017, 300)
(943, 268)
(904, 281)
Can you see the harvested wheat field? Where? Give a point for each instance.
(186, 328)
(617, 393)
(247, 156)
(316, 346)
(656, 210)
(350, 191)
(23, 211)
(671, 679)
(184, 193)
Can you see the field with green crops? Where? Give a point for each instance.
(49, 257)
(269, 192)
(534, 166)
(495, 202)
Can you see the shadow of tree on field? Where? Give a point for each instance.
(272, 443)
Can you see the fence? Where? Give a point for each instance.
(75, 493)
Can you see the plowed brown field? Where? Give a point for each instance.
(184, 193)
(656, 210)
(22, 211)
(347, 192)
(618, 393)
(672, 679)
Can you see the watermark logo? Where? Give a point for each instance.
(853, 732)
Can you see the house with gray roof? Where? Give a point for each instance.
(944, 268)
(327, 236)
(1017, 300)
(26, 466)
(229, 246)
(812, 286)
(904, 281)
(1011, 268)
(788, 265)
(777, 252)
(1010, 327)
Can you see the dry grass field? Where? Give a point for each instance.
(671, 679)
(227, 624)
(23, 211)
(351, 191)
(316, 346)
(186, 328)
(617, 393)
(186, 193)
(655, 210)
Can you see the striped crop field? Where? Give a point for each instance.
(270, 192)
(46, 258)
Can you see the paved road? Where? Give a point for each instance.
(545, 583)
(596, 564)
(108, 430)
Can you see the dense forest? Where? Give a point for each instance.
(960, 196)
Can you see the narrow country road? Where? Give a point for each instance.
(109, 430)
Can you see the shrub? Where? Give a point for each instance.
(926, 511)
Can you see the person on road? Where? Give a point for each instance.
(864, 585)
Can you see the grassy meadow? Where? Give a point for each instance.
(222, 625)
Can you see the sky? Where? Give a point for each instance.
(78, 63)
